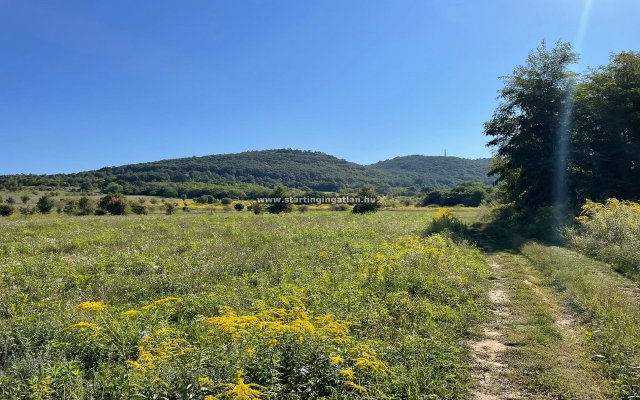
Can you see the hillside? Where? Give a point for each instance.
(252, 173)
(436, 171)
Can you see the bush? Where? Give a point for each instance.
(281, 205)
(238, 206)
(114, 204)
(369, 202)
(6, 210)
(25, 199)
(85, 206)
(70, 207)
(139, 209)
(226, 201)
(303, 208)
(169, 208)
(10, 200)
(445, 222)
(45, 204)
(257, 208)
(609, 231)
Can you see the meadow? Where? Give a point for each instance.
(236, 306)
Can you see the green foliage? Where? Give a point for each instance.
(610, 232)
(45, 204)
(25, 199)
(251, 174)
(369, 201)
(170, 208)
(257, 208)
(238, 206)
(6, 210)
(469, 194)
(279, 205)
(226, 201)
(444, 221)
(127, 308)
(525, 124)
(114, 204)
(85, 206)
(138, 208)
(606, 138)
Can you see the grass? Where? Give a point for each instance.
(609, 232)
(234, 305)
(609, 306)
(544, 354)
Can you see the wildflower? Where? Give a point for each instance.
(337, 360)
(369, 361)
(94, 306)
(348, 374)
(355, 386)
(166, 300)
(83, 325)
(241, 390)
(130, 313)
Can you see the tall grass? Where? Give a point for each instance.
(315, 305)
(610, 232)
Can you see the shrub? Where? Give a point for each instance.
(609, 231)
(238, 206)
(6, 210)
(45, 204)
(114, 204)
(225, 201)
(169, 208)
(100, 211)
(303, 208)
(257, 208)
(10, 200)
(139, 209)
(25, 199)
(70, 207)
(280, 205)
(445, 222)
(369, 202)
(85, 206)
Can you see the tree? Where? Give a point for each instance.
(114, 204)
(45, 204)
(368, 201)
(526, 126)
(238, 206)
(85, 206)
(606, 138)
(280, 204)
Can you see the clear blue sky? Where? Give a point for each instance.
(86, 84)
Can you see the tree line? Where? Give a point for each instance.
(560, 137)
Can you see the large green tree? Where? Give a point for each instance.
(606, 138)
(525, 127)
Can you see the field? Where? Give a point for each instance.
(236, 305)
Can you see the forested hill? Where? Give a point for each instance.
(250, 173)
(437, 171)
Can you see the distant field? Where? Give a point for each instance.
(321, 304)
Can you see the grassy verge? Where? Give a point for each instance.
(317, 305)
(544, 358)
(611, 308)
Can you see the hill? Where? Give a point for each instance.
(436, 171)
(253, 173)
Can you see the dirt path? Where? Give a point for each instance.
(491, 370)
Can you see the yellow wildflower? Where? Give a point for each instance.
(95, 306)
(83, 325)
(130, 313)
(348, 374)
(337, 360)
(355, 386)
(241, 390)
(166, 300)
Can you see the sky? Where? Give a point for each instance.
(87, 84)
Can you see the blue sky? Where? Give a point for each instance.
(86, 84)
